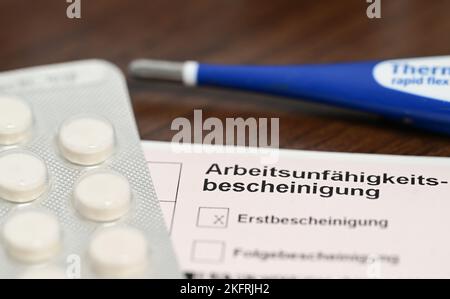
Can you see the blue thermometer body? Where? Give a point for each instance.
(414, 91)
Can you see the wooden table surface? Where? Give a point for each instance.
(244, 31)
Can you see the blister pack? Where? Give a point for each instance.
(76, 198)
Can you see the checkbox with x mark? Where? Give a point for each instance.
(212, 217)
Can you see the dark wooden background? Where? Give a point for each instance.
(238, 31)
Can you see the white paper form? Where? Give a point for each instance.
(307, 215)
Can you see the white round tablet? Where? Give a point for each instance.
(86, 140)
(102, 196)
(32, 236)
(16, 120)
(47, 272)
(23, 177)
(119, 252)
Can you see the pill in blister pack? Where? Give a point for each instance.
(76, 199)
(23, 176)
(86, 140)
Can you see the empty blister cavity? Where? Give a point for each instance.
(32, 236)
(119, 252)
(16, 120)
(23, 176)
(102, 196)
(86, 140)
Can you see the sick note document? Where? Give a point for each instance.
(238, 213)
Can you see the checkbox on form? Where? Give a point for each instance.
(212, 217)
(208, 251)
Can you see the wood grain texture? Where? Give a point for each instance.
(232, 31)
